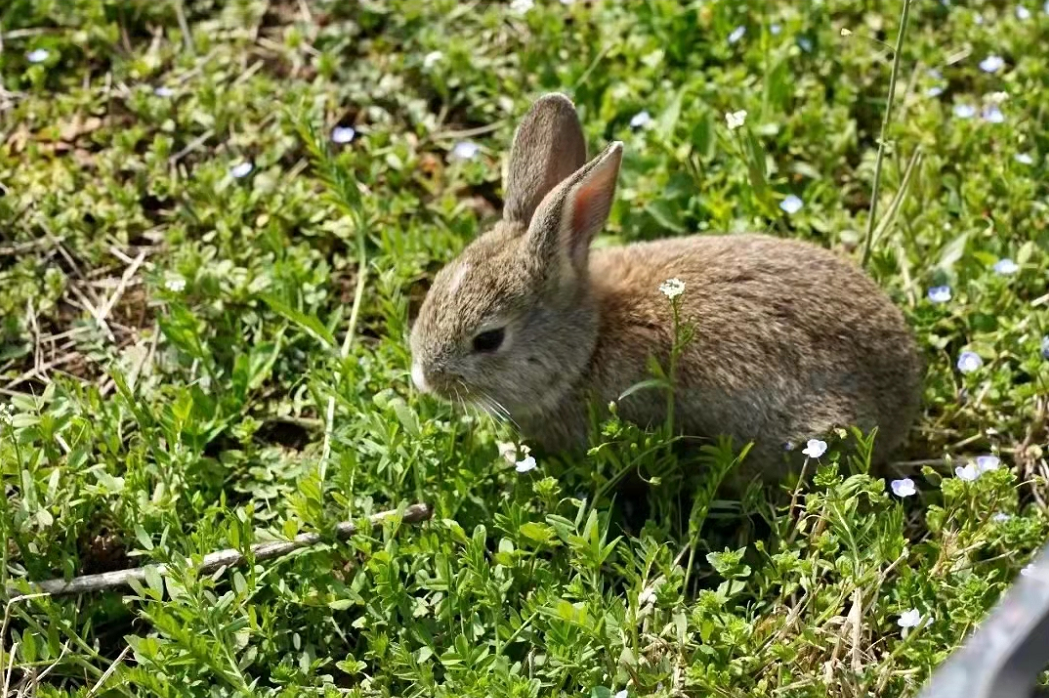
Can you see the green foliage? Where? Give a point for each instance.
(173, 339)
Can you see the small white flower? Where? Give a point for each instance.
(934, 91)
(38, 55)
(735, 119)
(775, 29)
(1001, 517)
(1006, 267)
(964, 111)
(987, 463)
(969, 361)
(431, 59)
(521, 6)
(791, 204)
(1045, 347)
(968, 473)
(1027, 571)
(242, 169)
(672, 288)
(815, 448)
(175, 283)
(992, 114)
(164, 91)
(1045, 7)
(526, 464)
(910, 619)
(621, 694)
(846, 32)
(904, 487)
(998, 97)
(465, 150)
(343, 134)
(1024, 159)
(992, 64)
(737, 34)
(640, 120)
(940, 294)
(1022, 13)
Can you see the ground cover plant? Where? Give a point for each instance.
(217, 220)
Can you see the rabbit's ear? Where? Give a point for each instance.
(571, 215)
(548, 147)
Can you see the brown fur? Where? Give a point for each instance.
(790, 340)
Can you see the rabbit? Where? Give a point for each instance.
(527, 322)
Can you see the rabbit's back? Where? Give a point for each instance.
(789, 341)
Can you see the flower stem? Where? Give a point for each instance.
(904, 16)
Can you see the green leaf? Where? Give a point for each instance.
(667, 214)
(307, 323)
(644, 385)
(541, 533)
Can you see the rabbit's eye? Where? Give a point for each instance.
(489, 341)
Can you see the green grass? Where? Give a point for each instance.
(173, 339)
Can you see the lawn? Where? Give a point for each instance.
(218, 220)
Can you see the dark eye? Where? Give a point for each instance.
(489, 341)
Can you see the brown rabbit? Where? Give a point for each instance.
(527, 322)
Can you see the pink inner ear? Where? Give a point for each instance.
(584, 208)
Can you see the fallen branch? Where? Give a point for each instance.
(219, 559)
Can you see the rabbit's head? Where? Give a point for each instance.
(511, 324)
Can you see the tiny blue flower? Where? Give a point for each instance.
(964, 111)
(910, 619)
(992, 64)
(815, 448)
(967, 473)
(164, 91)
(242, 169)
(342, 134)
(791, 204)
(1001, 517)
(776, 28)
(1045, 347)
(1024, 159)
(992, 114)
(737, 34)
(904, 487)
(987, 463)
(640, 120)
(1022, 13)
(969, 361)
(465, 150)
(940, 294)
(1006, 267)
(934, 91)
(38, 55)
(1045, 7)
(805, 43)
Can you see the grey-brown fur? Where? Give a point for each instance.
(790, 340)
